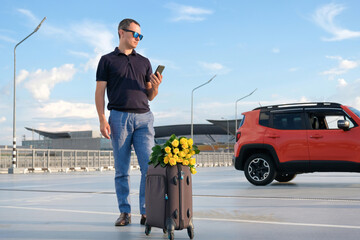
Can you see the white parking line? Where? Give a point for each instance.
(198, 219)
(280, 223)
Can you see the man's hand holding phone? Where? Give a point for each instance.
(159, 70)
(156, 78)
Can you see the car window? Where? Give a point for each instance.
(354, 110)
(264, 119)
(288, 121)
(242, 121)
(331, 121)
(327, 120)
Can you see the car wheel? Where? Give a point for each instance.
(284, 177)
(259, 169)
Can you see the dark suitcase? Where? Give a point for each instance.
(168, 199)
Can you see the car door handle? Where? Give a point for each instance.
(316, 136)
(273, 136)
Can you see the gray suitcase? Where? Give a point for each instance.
(168, 199)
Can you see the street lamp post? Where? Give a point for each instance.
(192, 97)
(11, 170)
(236, 108)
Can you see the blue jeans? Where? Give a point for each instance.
(130, 129)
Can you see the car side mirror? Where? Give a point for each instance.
(343, 124)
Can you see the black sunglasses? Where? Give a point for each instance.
(135, 34)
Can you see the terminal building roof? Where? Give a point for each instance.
(217, 127)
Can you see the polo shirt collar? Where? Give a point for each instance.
(117, 52)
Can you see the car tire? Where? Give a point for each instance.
(285, 177)
(259, 169)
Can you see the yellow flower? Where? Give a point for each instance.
(176, 151)
(185, 146)
(193, 170)
(179, 160)
(182, 154)
(172, 161)
(183, 141)
(186, 151)
(175, 143)
(168, 149)
(192, 161)
(190, 142)
(169, 155)
(185, 162)
(192, 152)
(166, 160)
(188, 155)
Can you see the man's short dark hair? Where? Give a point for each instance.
(125, 23)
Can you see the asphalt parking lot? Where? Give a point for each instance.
(81, 205)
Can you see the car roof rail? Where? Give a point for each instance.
(304, 104)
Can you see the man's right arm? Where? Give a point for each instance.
(100, 106)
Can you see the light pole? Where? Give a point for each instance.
(236, 107)
(192, 97)
(228, 144)
(11, 170)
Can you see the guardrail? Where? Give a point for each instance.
(72, 160)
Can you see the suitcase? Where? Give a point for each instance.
(168, 199)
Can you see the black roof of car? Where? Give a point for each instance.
(300, 105)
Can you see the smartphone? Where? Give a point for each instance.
(159, 69)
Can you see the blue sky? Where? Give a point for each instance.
(291, 51)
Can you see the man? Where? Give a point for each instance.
(127, 77)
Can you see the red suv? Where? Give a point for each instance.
(278, 142)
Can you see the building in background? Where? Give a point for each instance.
(219, 135)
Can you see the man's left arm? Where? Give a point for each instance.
(152, 87)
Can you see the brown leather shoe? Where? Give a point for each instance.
(123, 220)
(143, 219)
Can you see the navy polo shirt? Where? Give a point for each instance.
(125, 76)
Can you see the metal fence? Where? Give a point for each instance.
(66, 160)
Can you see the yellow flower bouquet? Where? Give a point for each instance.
(175, 151)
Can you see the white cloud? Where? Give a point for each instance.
(63, 109)
(344, 66)
(304, 99)
(7, 39)
(91, 33)
(97, 36)
(348, 93)
(324, 17)
(41, 82)
(357, 103)
(188, 13)
(61, 127)
(347, 64)
(2, 119)
(22, 76)
(342, 82)
(294, 69)
(212, 66)
(275, 50)
(79, 54)
(28, 14)
(167, 114)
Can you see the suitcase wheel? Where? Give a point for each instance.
(190, 231)
(147, 230)
(171, 235)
